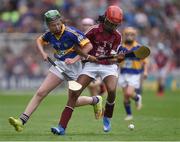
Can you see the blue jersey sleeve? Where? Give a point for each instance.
(46, 36)
(121, 50)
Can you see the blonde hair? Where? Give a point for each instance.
(130, 30)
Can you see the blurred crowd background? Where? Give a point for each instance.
(21, 21)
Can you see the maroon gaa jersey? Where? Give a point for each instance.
(104, 44)
(161, 59)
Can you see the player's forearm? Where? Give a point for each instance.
(83, 52)
(86, 49)
(115, 60)
(146, 69)
(77, 58)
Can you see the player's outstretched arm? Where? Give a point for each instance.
(40, 45)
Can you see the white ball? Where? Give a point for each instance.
(131, 126)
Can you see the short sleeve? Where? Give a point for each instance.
(90, 34)
(117, 42)
(46, 36)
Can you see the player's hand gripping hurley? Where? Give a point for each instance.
(73, 85)
(141, 53)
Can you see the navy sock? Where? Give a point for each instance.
(95, 100)
(138, 91)
(127, 107)
(24, 118)
(136, 98)
(109, 108)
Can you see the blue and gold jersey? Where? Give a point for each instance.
(131, 65)
(64, 44)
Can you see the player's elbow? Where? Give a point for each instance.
(88, 47)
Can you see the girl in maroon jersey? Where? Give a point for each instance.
(105, 40)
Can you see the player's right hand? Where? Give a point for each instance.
(45, 56)
(69, 61)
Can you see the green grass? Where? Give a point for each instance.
(159, 120)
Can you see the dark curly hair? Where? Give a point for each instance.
(100, 19)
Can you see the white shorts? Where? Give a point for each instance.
(129, 79)
(72, 70)
(94, 70)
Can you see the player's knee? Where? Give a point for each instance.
(111, 91)
(111, 88)
(41, 93)
(111, 96)
(128, 95)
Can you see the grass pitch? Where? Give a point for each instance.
(159, 119)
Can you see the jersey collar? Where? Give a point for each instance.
(62, 31)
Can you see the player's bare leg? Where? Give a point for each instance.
(139, 90)
(137, 98)
(83, 100)
(127, 93)
(110, 83)
(50, 82)
(102, 89)
(160, 91)
(96, 101)
(94, 89)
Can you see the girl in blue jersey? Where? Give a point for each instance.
(67, 42)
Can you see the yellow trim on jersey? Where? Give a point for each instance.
(40, 39)
(131, 64)
(66, 51)
(84, 42)
(137, 65)
(62, 31)
(69, 50)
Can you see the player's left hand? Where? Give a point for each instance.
(69, 61)
(145, 75)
